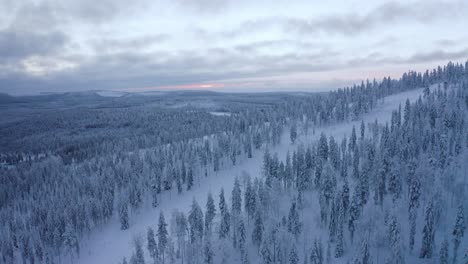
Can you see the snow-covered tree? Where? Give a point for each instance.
(151, 244)
(162, 235)
(210, 212)
(458, 231)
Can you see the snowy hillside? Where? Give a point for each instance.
(373, 173)
(96, 249)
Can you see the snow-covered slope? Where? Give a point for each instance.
(109, 244)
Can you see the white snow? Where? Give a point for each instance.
(109, 244)
(220, 113)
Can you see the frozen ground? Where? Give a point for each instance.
(109, 244)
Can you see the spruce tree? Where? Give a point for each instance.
(151, 244)
(266, 254)
(208, 253)
(210, 212)
(316, 257)
(236, 198)
(225, 224)
(257, 233)
(293, 133)
(339, 248)
(323, 147)
(162, 235)
(458, 231)
(428, 233)
(363, 257)
(190, 179)
(139, 254)
(123, 214)
(294, 224)
(195, 220)
(444, 254)
(249, 199)
(293, 257)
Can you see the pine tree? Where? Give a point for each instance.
(458, 231)
(345, 198)
(363, 257)
(210, 212)
(123, 214)
(70, 240)
(266, 254)
(316, 256)
(225, 224)
(257, 232)
(339, 248)
(323, 147)
(412, 232)
(162, 235)
(288, 174)
(151, 244)
(294, 225)
(154, 196)
(242, 236)
(293, 133)
(443, 255)
(428, 233)
(139, 254)
(195, 220)
(354, 213)
(190, 179)
(352, 139)
(395, 241)
(363, 128)
(328, 259)
(293, 257)
(249, 199)
(236, 198)
(181, 233)
(179, 184)
(334, 218)
(208, 252)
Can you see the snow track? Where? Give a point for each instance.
(109, 244)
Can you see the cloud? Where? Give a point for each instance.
(203, 6)
(348, 24)
(438, 55)
(20, 44)
(138, 43)
(387, 14)
(135, 70)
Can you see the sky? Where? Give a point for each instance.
(222, 45)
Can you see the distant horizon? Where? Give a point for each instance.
(330, 86)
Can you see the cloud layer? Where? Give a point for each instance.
(54, 45)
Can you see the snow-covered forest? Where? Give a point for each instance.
(373, 173)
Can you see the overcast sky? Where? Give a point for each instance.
(225, 45)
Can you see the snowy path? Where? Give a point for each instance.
(109, 244)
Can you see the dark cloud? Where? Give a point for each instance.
(438, 55)
(20, 44)
(102, 11)
(126, 70)
(420, 57)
